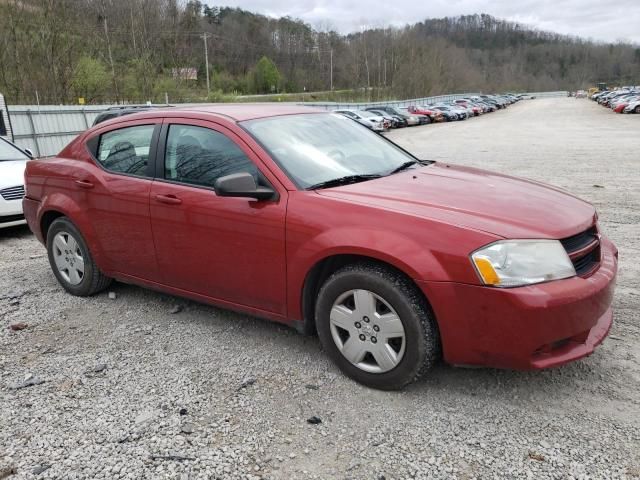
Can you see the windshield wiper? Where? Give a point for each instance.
(404, 166)
(346, 180)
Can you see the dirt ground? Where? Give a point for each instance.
(134, 390)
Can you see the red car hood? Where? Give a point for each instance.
(499, 204)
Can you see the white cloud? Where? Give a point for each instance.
(595, 19)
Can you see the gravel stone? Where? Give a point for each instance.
(30, 381)
(187, 428)
(41, 469)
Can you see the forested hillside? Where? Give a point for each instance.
(135, 50)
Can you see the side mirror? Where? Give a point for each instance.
(242, 185)
(28, 152)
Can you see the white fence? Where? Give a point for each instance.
(46, 130)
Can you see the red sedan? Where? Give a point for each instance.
(312, 220)
(434, 115)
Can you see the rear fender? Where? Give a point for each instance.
(59, 202)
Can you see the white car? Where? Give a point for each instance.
(12, 165)
(633, 107)
(368, 119)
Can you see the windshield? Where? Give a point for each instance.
(9, 152)
(316, 148)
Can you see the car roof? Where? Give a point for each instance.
(237, 112)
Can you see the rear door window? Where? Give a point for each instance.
(126, 150)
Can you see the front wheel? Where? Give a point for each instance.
(637, 109)
(376, 326)
(71, 261)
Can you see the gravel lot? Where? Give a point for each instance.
(133, 389)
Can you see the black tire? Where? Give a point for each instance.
(637, 109)
(422, 339)
(93, 280)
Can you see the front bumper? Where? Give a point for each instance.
(31, 214)
(533, 327)
(11, 213)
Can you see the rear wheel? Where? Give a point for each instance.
(376, 326)
(71, 261)
(637, 109)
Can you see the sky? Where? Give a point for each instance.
(600, 20)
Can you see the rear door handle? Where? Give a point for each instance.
(168, 199)
(84, 183)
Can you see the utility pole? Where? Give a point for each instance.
(106, 34)
(206, 59)
(331, 68)
(385, 72)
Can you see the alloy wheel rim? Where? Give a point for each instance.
(367, 331)
(68, 258)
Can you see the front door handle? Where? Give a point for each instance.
(168, 199)
(84, 183)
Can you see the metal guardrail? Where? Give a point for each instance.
(47, 129)
(389, 103)
(560, 93)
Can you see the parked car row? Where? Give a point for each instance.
(623, 100)
(383, 117)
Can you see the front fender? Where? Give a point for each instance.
(425, 249)
(376, 243)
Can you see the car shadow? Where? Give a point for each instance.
(540, 387)
(525, 387)
(19, 231)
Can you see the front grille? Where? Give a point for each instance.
(13, 193)
(583, 250)
(580, 240)
(11, 218)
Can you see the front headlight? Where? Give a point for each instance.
(513, 263)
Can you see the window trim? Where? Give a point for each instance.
(93, 144)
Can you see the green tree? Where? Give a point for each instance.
(137, 81)
(266, 76)
(90, 79)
